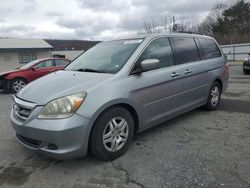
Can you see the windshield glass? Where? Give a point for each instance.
(106, 57)
(28, 65)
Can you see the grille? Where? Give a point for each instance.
(20, 112)
(24, 112)
(247, 64)
(22, 109)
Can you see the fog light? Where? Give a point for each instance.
(52, 147)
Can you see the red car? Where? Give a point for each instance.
(17, 79)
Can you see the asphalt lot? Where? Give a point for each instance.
(197, 149)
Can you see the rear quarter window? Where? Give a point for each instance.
(208, 49)
(60, 62)
(185, 50)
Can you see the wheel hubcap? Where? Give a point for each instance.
(215, 96)
(115, 134)
(18, 85)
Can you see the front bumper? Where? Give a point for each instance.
(57, 138)
(246, 65)
(4, 83)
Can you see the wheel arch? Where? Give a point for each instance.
(128, 106)
(19, 77)
(220, 82)
(122, 103)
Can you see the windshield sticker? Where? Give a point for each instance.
(133, 41)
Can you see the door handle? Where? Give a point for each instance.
(175, 74)
(187, 71)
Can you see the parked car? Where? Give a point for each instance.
(15, 80)
(246, 65)
(116, 89)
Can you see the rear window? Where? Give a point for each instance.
(185, 50)
(208, 49)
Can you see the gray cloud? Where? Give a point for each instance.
(132, 13)
(70, 23)
(85, 19)
(105, 5)
(29, 6)
(15, 28)
(53, 14)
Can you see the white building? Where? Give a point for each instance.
(68, 54)
(15, 52)
(236, 52)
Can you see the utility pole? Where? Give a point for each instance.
(174, 24)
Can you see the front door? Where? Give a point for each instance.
(158, 92)
(43, 68)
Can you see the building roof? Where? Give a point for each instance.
(59, 45)
(16, 43)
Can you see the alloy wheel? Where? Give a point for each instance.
(115, 134)
(18, 85)
(215, 96)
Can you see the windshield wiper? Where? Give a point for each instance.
(88, 70)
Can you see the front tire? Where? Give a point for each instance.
(111, 134)
(17, 84)
(214, 97)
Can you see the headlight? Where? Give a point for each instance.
(63, 107)
(246, 59)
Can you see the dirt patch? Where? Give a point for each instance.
(17, 173)
(14, 176)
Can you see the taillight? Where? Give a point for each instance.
(226, 67)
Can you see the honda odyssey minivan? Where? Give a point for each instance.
(117, 89)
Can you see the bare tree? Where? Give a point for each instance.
(169, 23)
(210, 21)
(157, 25)
(187, 23)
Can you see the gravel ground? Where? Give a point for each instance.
(197, 149)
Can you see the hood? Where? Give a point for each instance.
(11, 71)
(60, 84)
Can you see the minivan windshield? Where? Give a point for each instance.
(105, 57)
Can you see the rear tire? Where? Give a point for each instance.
(214, 97)
(111, 134)
(17, 84)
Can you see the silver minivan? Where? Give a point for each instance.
(116, 89)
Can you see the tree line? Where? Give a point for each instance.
(229, 24)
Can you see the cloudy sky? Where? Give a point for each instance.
(89, 19)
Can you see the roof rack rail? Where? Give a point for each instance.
(189, 32)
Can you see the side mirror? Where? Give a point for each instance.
(33, 68)
(249, 54)
(150, 64)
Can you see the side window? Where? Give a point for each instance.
(60, 62)
(159, 49)
(44, 64)
(185, 50)
(208, 49)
